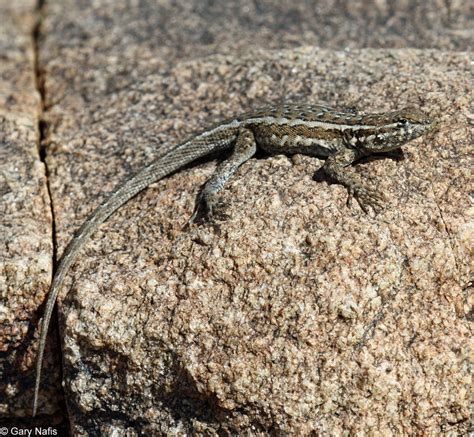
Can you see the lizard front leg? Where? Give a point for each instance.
(337, 166)
(243, 150)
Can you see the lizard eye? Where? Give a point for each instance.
(403, 121)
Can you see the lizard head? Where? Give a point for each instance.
(396, 128)
(412, 123)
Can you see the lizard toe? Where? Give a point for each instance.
(367, 198)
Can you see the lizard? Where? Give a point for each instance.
(315, 130)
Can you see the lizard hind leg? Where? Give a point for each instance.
(244, 148)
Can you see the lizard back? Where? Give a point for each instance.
(300, 128)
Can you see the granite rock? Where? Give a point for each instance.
(296, 314)
(195, 28)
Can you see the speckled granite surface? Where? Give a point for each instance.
(296, 314)
(196, 28)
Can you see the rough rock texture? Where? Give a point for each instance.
(195, 28)
(26, 251)
(296, 314)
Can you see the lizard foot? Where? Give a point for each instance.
(366, 198)
(207, 210)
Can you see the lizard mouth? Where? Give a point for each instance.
(433, 124)
(429, 126)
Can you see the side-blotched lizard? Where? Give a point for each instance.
(341, 137)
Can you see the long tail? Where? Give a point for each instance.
(175, 159)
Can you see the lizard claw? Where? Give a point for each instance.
(366, 198)
(205, 210)
(202, 210)
(219, 212)
(350, 196)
